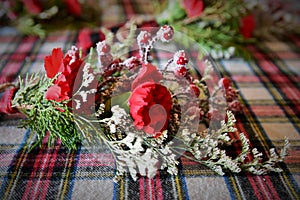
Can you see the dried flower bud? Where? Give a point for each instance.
(103, 48)
(180, 58)
(143, 38)
(165, 33)
(131, 62)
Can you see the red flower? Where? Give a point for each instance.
(247, 26)
(68, 66)
(148, 73)
(73, 7)
(193, 8)
(150, 104)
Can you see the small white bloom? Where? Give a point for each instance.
(78, 104)
(84, 94)
(100, 109)
(112, 128)
(87, 77)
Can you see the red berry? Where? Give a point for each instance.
(180, 58)
(165, 33)
(103, 48)
(180, 71)
(131, 63)
(143, 38)
(167, 36)
(195, 89)
(235, 106)
(225, 82)
(231, 94)
(106, 48)
(180, 61)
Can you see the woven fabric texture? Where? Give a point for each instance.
(269, 87)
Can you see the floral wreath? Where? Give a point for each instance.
(148, 116)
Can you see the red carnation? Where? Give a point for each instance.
(150, 104)
(193, 8)
(148, 73)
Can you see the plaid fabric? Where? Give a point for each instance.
(269, 89)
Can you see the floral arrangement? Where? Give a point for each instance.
(224, 27)
(147, 114)
(35, 17)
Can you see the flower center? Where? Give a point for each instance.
(157, 118)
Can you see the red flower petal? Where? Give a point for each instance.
(193, 8)
(53, 93)
(54, 62)
(34, 7)
(150, 104)
(57, 93)
(84, 39)
(73, 7)
(148, 73)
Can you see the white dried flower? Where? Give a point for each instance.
(100, 110)
(112, 128)
(119, 115)
(78, 104)
(87, 76)
(84, 94)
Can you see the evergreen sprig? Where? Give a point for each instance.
(216, 30)
(43, 115)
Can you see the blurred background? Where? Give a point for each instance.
(222, 27)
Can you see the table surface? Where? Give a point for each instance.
(269, 87)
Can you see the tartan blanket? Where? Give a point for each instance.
(270, 92)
